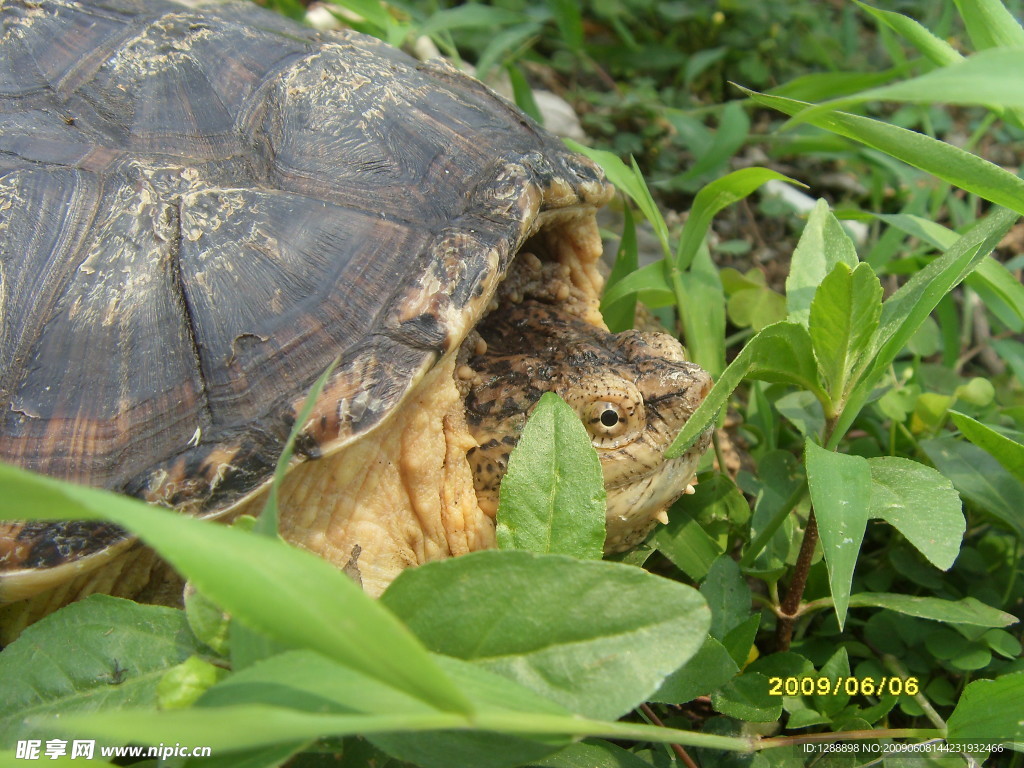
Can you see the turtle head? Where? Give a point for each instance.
(633, 391)
(633, 407)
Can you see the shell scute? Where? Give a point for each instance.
(200, 210)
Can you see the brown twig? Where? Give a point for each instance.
(677, 748)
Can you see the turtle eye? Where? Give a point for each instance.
(610, 423)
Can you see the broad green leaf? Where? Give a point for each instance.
(728, 596)
(840, 487)
(1007, 452)
(990, 24)
(708, 670)
(593, 754)
(181, 685)
(979, 478)
(747, 698)
(290, 595)
(739, 641)
(844, 315)
(823, 244)
(552, 498)
(921, 504)
(934, 48)
(964, 611)
(836, 668)
(715, 196)
(905, 311)
(949, 163)
(101, 653)
(780, 353)
(306, 681)
(782, 487)
(564, 628)
(621, 315)
(686, 544)
(491, 693)
(989, 712)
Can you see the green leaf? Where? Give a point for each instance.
(936, 157)
(631, 182)
(979, 478)
(267, 522)
(823, 244)
(686, 543)
(231, 728)
(982, 79)
(621, 315)
(840, 487)
(469, 16)
(780, 353)
(728, 596)
(564, 628)
(308, 682)
(522, 92)
(844, 316)
(552, 498)
(905, 311)
(708, 670)
(965, 611)
(934, 48)
(570, 23)
(989, 712)
(98, 654)
(747, 698)
(290, 595)
(836, 668)
(595, 754)
(181, 685)
(715, 196)
(1007, 452)
(649, 282)
(990, 24)
(921, 504)
(703, 313)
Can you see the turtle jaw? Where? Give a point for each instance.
(636, 507)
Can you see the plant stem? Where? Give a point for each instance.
(794, 594)
(677, 748)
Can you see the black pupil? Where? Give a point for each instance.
(609, 418)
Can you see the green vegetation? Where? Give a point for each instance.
(848, 571)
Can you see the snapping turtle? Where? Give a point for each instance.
(201, 209)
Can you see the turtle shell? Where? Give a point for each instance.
(200, 210)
